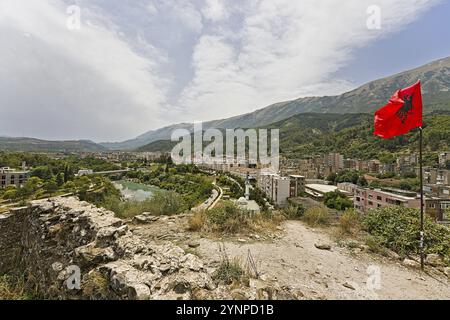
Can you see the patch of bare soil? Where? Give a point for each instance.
(308, 261)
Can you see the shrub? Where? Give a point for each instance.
(349, 221)
(229, 272)
(337, 200)
(228, 218)
(197, 221)
(166, 203)
(397, 228)
(162, 203)
(294, 212)
(316, 216)
(374, 245)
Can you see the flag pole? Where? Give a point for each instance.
(422, 263)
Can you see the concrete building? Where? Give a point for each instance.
(84, 172)
(437, 190)
(435, 176)
(297, 186)
(276, 188)
(318, 191)
(407, 163)
(251, 206)
(11, 177)
(444, 157)
(438, 209)
(366, 199)
(348, 187)
(333, 162)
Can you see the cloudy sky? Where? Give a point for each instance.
(137, 65)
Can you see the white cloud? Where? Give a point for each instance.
(151, 8)
(215, 10)
(89, 78)
(136, 67)
(285, 49)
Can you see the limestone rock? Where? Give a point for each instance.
(411, 263)
(323, 246)
(145, 218)
(434, 260)
(194, 244)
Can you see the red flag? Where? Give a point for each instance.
(402, 114)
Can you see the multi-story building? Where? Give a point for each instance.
(438, 209)
(407, 163)
(368, 198)
(11, 177)
(297, 185)
(435, 176)
(276, 188)
(437, 190)
(333, 162)
(374, 166)
(348, 187)
(444, 157)
(309, 167)
(350, 164)
(362, 165)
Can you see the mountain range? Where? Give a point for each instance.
(435, 77)
(349, 134)
(37, 145)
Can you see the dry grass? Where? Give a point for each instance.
(95, 286)
(227, 219)
(317, 216)
(229, 272)
(13, 288)
(349, 222)
(197, 221)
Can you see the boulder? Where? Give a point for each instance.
(411, 263)
(194, 244)
(434, 260)
(145, 218)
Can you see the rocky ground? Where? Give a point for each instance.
(157, 258)
(307, 263)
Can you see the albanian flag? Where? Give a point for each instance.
(402, 114)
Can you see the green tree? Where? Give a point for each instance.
(69, 186)
(33, 184)
(362, 182)
(60, 179)
(51, 186)
(337, 200)
(42, 172)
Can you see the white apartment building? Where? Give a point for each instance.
(276, 188)
(11, 177)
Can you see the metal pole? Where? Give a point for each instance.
(422, 264)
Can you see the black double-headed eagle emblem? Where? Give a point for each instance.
(406, 109)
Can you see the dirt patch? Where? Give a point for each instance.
(292, 258)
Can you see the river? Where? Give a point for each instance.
(136, 191)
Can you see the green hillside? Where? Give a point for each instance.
(37, 145)
(352, 135)
(349, 134)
